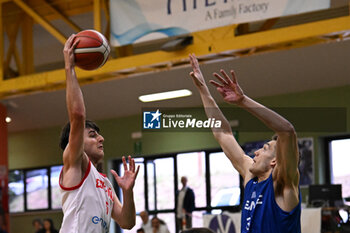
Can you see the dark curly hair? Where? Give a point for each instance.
(64, 138)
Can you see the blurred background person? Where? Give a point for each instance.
(159, 226)
(49, 227)
(146, 223)
(185, 206)
(140, 230)
(38, 225)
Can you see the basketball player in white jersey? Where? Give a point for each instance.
(88, 197)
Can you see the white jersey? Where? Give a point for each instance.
(87, 206)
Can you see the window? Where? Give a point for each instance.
(192, 165)
(224, 180)
(210, 174)
(34, 189)
(162, 186)
(169, 219)
(339, 164)
(151, 187)
(139, 189)
(55, 190)
(16, 191)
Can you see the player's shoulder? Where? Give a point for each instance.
(80, 166)
(247, 177)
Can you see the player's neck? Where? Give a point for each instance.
(263, 176)
(94, 162)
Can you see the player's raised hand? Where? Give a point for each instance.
(127, 181)
(196, 74)
(68, 50)
(228, 88)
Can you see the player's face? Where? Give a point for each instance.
(264, 159)
(93, 144)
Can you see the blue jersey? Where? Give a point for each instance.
(261, 213)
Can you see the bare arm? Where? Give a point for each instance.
(224, 137)
(287, 154)
(74, 153)
(125, 215)
(286, 172)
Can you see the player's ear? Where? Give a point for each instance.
(273, 162)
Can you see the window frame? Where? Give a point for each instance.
(328, 163)
(25, 193)
(208, 208)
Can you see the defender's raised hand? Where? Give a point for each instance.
(229, 89)
(196, 74)
(127, 181)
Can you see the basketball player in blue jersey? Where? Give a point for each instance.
(272, 199)
(88, 198)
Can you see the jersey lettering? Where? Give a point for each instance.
(101, 184)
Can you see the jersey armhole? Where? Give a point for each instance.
(81, 182)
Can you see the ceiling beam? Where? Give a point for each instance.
(62, 16)
(205, 43)
(43, 22)
(97, 15)
(12, 31)
(268, 24)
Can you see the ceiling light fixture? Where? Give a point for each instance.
(8, 119)
(165, 95)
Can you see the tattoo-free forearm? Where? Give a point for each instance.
(213, 111)
(128, 211)
(74, 96)
(271, 119)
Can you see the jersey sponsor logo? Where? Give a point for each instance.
(96, 220)
(253, 195)
(250, 206)
(101, 184)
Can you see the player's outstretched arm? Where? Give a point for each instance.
(224, 136)
(73, 154)
(287, 151)
(287, 154)
(125, 215)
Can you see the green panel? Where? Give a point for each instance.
(34, 148)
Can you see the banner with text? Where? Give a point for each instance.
(134, 21)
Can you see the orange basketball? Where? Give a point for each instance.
(92, 50)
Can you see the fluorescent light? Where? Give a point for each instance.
(8, 119)
(165, 95)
